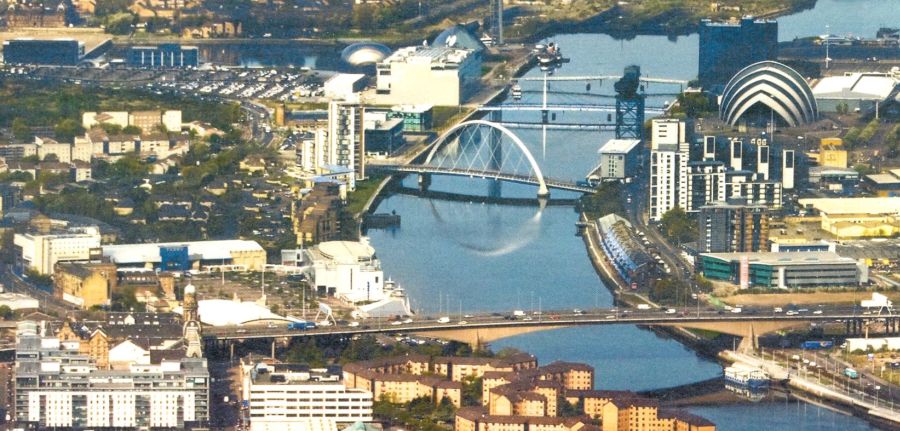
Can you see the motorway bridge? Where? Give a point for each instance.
(481, 328)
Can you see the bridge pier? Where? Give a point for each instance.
(543, 192)
(424, 181)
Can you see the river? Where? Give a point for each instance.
(455, 257)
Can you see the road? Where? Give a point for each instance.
(611, 316)
(48, 302)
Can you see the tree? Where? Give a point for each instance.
(132, 130)
(66, 130)
(677, 226)
(51, 157)
(20, 129)
(119, 23)
(607, 199)
(364, 17)
(5, 312)
(111, 128)
(472, 391)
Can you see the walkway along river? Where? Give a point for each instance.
(453, 257)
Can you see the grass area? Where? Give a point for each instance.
(704, 334)
(306, 106)
(445, 116)
(364, 190)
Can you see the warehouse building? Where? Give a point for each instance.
(183, 256)
(857, 217)
(57, 52)
(783, 270)
(860, 92)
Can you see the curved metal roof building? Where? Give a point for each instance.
(771, 84)
(362, 53)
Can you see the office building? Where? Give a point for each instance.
(348, 270)
(165, 55)
(416, 118)
(40, 253)
(727, 47)
(727, 228)
(294, 397)
(783, 270)
(669, 154)
(383, 135)
(346, 138)
(441, 75)
(619, 158)
(344, 86)
(58, 386)
(59, 52)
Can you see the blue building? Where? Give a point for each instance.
(166, 55)
(58, 52)
(726, 48)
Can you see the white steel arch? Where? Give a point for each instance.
(441, 140)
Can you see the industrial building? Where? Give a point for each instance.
(727, 47)
(624, 249)
(764, 90)
(443, 76)
(847, 218)
(347, 270)
(40, 253)
(57, 52)
(58, 386)
(164, 55)
(783, 270)
(184, 256)
(728, 228)
(295, 397)
(883, 185)
(618, 158)
(860, 92)
(344, 86)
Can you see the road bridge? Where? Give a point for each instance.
(477, 329)
(573, 107)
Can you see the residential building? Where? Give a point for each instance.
(164, 55)
(58, 386)
(286, 397)
(632, 262)
(346, 138)
(643, 414)
(317, 216)
(61, 52)
(728, 228)
(148, 121)
(85, 284)
(43, 15)
(441, 75)
(669, 154)
(727, 47)
(41, 252)
(705, 183)
(618, 159)
(348, 270)
(783, 270)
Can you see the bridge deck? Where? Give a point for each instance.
(522, 179)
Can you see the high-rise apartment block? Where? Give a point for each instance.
(727, 228)
(669, 154)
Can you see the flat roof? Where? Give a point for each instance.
(785, 258)
(618, 146)
(206, 250)
(344, 79)
(856, 86)
(880, 205)
(346, 251)
(883, 179)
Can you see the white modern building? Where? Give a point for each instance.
(669, 154)
(41, 252)
(856, 91)
(56, 386)
(291, 397)
(618, 158)
(348, 270)
(346, 143)
(344, 86)
(182, 256)
(443, 76)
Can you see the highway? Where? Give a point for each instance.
(612, 316)
(49, 303)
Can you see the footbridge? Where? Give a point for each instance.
(481, 149)
(477, 329)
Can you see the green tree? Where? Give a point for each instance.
(132, 130)
(472, 391)
(6, 313)
(694, 104)
(66, 130)
(607, 199)
(677, 226)
(20, 129)
(120, 23)
(111, 128)
(364, 17)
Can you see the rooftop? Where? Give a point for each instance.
(617, 146)
(439, 55)
(833, 206)
(784, 258)
(205, 250)
(856, 86)
(346, 251)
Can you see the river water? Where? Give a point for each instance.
(455, 257)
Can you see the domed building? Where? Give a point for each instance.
(364, 53)
(458, 36)
(765, 89)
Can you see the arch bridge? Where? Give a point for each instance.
(482, 149)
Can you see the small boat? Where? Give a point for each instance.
(517, 92)
(747, 376)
